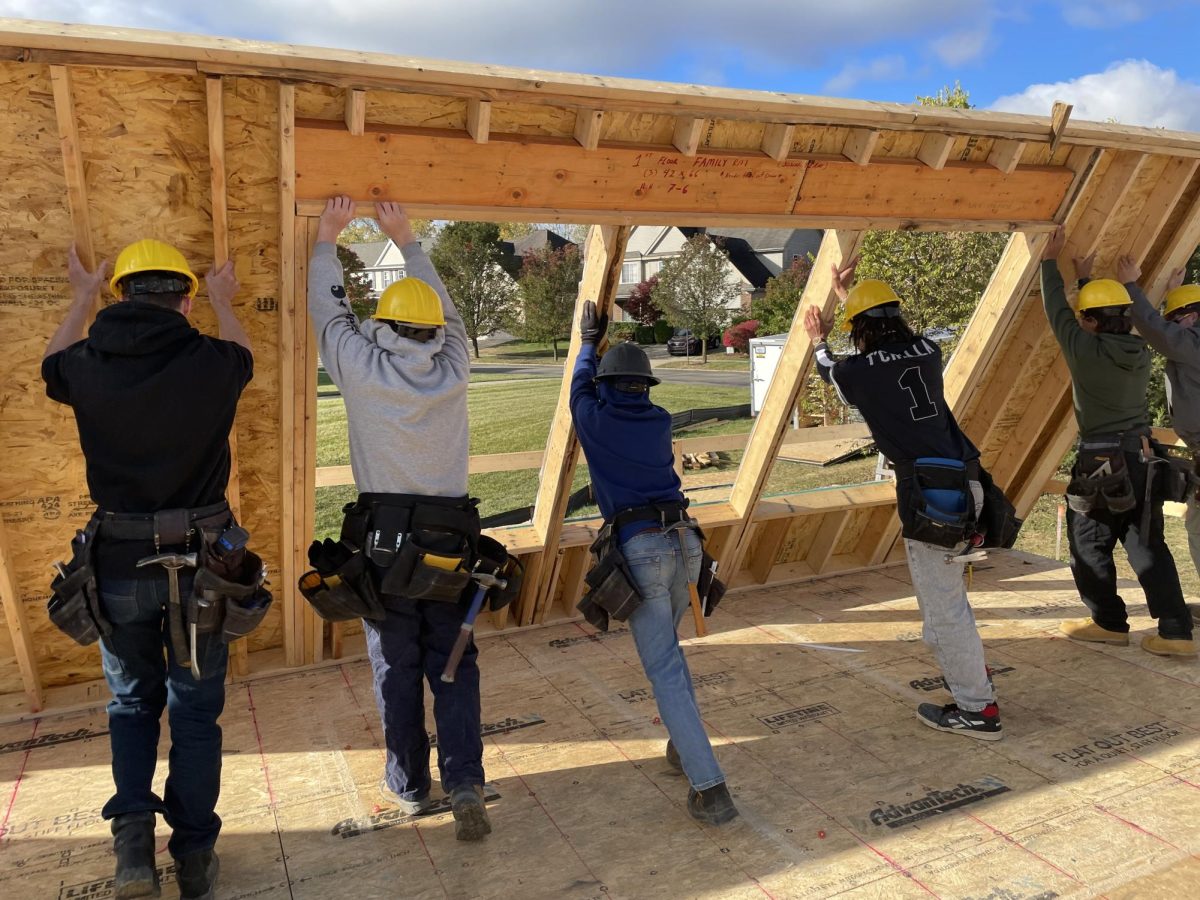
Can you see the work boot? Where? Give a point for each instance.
(673, 759)
(712, 806)
(413, 807)
(984, 724)
(1087, 630)
(196, 875)
(1162, 646)
(133, 843)
(470, 815)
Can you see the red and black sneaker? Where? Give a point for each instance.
(984, 724)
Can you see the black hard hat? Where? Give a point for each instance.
(626, 360)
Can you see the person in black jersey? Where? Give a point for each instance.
(895, 381)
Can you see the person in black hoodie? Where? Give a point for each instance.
(154, 401)
(627, 442)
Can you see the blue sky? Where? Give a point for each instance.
(1137, 62)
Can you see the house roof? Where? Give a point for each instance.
(539, 238)
(742, 254)
(370, 252)
(760, 239)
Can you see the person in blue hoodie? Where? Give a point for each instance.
(627, 442)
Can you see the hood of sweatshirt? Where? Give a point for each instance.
(382, 335)
(626, 405)
(134, 328)
(1126, 351)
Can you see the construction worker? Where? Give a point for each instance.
(154, 401)
(627, 442)
(895, 381)
(1112, 495)
(404, 376)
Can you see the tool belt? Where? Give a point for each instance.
(405, 547)
(934, 500)
(998, 524)
(612, 591)
(229, 594)
(74, 605)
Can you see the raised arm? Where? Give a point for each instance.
(394, 221)
(818, 330)
(592, 327)
(223, 286)
(339, 339)
(1176, 342)
(85, 295)
(1054, 297)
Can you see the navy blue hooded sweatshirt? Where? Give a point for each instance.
(627, 442)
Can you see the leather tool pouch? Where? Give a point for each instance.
(494, 559)
(436, 555)
(74, 605)
(1177, 481)
(610, 584)
(1089, 492)
(340, 586)
(709, 588)
(939, 508)
(998, 523)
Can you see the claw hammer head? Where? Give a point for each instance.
(170, 561)
(485, 580)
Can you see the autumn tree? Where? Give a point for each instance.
(357, 282)
(469, 260)
(695, 289)
(549, 284)
(640, 305)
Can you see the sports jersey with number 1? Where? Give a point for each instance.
(898, 389)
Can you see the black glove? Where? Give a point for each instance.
(592, 326)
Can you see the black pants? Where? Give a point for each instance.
(1093, 539)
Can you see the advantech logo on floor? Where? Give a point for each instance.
(897, 815)
(390, 818)
(104, 888)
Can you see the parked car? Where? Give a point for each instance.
(684, 343)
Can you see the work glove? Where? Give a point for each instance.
(591, 325)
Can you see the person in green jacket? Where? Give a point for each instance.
(1108, 499)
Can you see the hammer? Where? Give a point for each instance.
(484, 583)
(173, 562)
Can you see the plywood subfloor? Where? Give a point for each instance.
(809, 692)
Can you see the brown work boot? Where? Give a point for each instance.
(1161, 646)
(470, 815)
(1087, 630)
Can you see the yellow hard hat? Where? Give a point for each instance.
(149, 255)
(413, 301)
(1102, 292)
(1184, 295)
(867, 294)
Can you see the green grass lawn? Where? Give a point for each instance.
(518, 351)
(717, 362)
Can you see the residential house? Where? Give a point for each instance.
(755, 254)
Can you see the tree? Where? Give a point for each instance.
(467, 256)
(364, 231)
(694, 290)
(549, 284)
(949, 97)
(777, 307)
(640, 305)
(357, 282)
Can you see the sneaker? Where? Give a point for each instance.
(1087, 630)
(712, 806)
(984, 724)
(414, 807)
(196, 875)
(470, 815)
(1163, 646)
(133, 844)
(673, 759)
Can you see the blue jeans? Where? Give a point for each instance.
(142, 674)
(409, 646)
(661, 570)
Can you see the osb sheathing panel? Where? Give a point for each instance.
(143, 138)
(640, 128)
(529, 118)
(416, 110)
(1186, 203)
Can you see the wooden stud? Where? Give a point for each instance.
(356, 111)
(777, 140)
(18, 628)
(215, 97)
(935, 150)
(829, 533)
(688, 131)
(860, 144)
(765, 545)
(588, 126)
(1059, 116)
(291, 425)
(479, 120)
(604, 253)
(68, 137)
(1167, 191)
(305, 361)
(1006, 155)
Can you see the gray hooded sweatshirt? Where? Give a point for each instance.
(406, 401)
(1181, 348)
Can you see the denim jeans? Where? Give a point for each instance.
(142, 674)
(407, 648)
(949, 625)
(661, 571)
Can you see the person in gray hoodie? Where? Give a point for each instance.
(403, 375)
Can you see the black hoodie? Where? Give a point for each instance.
(154, 401)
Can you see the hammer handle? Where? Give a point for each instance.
(697, 611)
(464, 636)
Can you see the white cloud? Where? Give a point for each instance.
(1104, 13)
(882, 69)
(964, 46)
(1134, 92)
(614, 36)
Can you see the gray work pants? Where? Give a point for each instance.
(949, 625)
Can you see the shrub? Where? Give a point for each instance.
(738, 337)
(621, 331)
(662, 331)
(644, 334)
